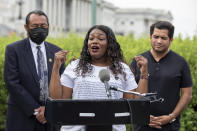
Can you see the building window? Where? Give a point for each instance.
(146, 22)
(131, 23)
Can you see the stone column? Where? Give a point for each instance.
(44, 6)
(55, 8)
(78, 14)
(73, 16)
(59, 14)
(89, 14)
(63, 20)
(83, 15)
(50, 15)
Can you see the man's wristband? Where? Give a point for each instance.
(144, 76)
(171, 118)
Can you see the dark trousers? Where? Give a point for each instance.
(46, 127)
(168, 127)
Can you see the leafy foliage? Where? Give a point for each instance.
(130, 46)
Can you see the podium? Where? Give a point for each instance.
(97, 112)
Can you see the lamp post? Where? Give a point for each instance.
(20, 4)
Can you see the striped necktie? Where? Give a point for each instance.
(42, 75)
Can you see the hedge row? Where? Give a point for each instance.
(131, 47)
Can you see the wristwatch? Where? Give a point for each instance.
(35, 113)
(171, 117)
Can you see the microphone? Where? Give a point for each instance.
(121, 90)
(131, 92)
(104, 76)
(150, 96)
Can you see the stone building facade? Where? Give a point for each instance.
(76, 16)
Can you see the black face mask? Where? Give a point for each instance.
(38, 35)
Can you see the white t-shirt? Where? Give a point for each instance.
(90, 87)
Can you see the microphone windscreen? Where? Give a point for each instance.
(104, 75)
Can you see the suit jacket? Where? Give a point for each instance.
(22, 82)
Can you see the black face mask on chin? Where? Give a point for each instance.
(38, 35)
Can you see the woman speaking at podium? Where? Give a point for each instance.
(80, 79)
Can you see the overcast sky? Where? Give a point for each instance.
(184, 12)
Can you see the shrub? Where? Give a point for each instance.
(130, 47)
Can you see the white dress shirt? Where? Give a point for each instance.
(34, 51)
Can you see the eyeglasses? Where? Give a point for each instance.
(39, 25)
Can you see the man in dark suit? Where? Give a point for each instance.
(27, 72)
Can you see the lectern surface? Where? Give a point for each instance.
(97, 112)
